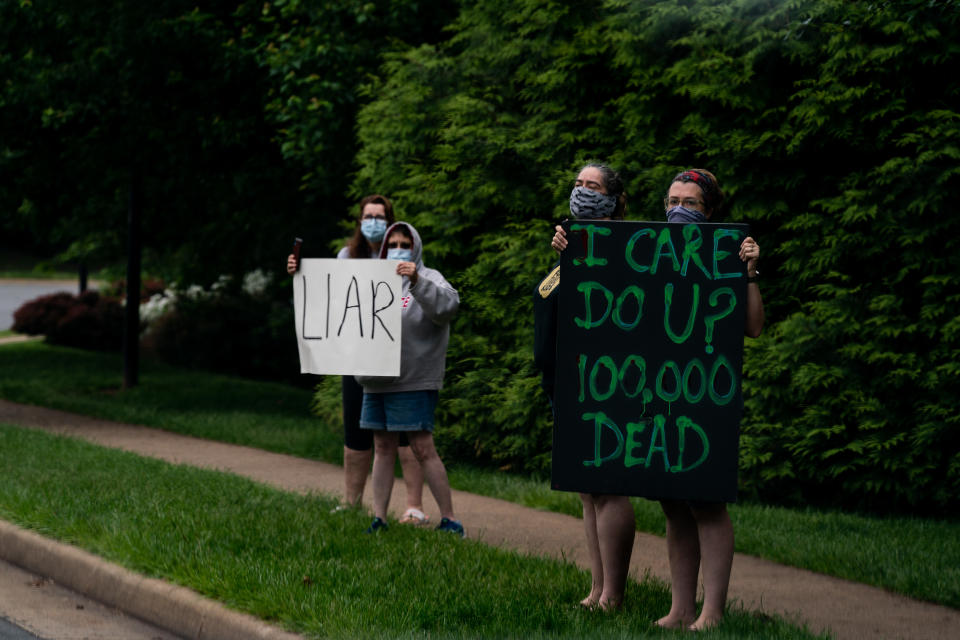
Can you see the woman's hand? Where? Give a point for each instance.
(750, 253)
(291, 264)
(408, 269)
(559, 242)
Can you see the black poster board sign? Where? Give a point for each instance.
(649, 359)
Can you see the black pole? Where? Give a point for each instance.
(131, 328)
(82, 272)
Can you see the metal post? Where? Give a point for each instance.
(131, 329)
(82, 272)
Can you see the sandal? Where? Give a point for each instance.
(414, 516)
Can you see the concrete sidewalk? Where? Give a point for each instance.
(849, 610)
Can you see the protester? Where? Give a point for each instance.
(700, 533)
(608, 520)
(375, 214)
(406, 403)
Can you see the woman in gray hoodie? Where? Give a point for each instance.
(406, 403)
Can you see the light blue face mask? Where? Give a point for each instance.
(682, 214)
(373, 229)
(400, 254)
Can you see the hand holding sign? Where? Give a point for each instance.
(347, 316)
(649, 353)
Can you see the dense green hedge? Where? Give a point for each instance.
(831, 125)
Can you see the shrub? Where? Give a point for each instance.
(39, 316)
(241, 330)
(87, 321)
(94, 322)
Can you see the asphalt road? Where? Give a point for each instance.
(10, 631)
(36, 608)
(15, 292)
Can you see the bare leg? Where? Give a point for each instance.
(716, 548)
(433, 470)
(683, 552)
(412, 477)
(356, 466)
(593, 550)
(616, 527)
(384, 459)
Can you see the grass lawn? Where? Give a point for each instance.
(916, 557)
(285, 558)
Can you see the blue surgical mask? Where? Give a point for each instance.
(400, 254)
(682, 214)
(586, 204)
(373, 229)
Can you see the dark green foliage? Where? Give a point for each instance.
(96, 93)
(832, 128)
(237, 115)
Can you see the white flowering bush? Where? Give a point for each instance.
(255, 285)
(256, 282)
(159, 304)
(239, 326)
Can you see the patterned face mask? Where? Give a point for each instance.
(682, 214)
(373, 229)
(588, 204)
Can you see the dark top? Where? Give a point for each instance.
(545, 297)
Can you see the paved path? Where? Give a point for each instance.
(850, 610)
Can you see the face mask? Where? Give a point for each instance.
(373, 229)
(588, 204)
(400, 254)
(682, 214)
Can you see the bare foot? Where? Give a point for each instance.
(591, 601)
(702, 624)
(610, 604)
(672, 622)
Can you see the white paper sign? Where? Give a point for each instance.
(348, 316)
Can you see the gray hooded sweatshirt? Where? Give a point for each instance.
(425, 310)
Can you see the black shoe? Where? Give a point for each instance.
(377, 525)
(453, 526)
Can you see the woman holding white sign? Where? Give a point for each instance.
(375, 215)
(406, 404)
(608, 520)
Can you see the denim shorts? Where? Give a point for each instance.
(399, 411)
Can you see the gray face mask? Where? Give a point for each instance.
(682, 214)
(586, 204)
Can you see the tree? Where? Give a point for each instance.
(207, 102)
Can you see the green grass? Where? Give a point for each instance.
(917, 557)
(285, 558)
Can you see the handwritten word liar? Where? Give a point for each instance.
(646, 249)
(604, 378)
(630, 444)
(353, 307)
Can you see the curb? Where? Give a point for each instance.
(176, 609)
